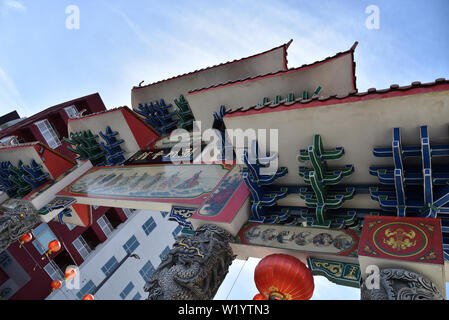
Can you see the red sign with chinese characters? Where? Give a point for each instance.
(410, 239)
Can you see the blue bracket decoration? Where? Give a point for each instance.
(114, 153)
(18, 182)
(428, 184)
(6, 185)
(257, 184)
(157, 115)
(319, 177)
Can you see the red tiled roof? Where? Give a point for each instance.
(27, 121)
(416, 87)
(304, 66)
(285, 45)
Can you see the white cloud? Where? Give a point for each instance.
(16, 5)
(10, 97)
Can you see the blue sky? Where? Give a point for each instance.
(120, 43)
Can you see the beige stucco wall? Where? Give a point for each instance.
(357, 126)
(26, 154)
(334, 76)
(116, 121)
(169, 90)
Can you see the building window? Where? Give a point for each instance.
(72, 112)
(137, 296)
(53, 271)
(42, 237)
(48, 133)
(164, 252)
(146, 271)
(105, 225)
(149, 226)
(131, 244)
(110, 266)
(127, 290)
(82, 247)
(88, 288)
(128, 212)
(176, 231)
(5, 259)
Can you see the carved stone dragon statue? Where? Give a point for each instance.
(16, 222)
(194, 268)
(400, 284)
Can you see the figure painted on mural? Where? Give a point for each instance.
(124, 183)
(323, 240)
(191, 182)
(343, 242)
(157, 177)
(284, 236)
(138, 181)
(269, 234)
(170, 182)
(302, 238)
(253, 233)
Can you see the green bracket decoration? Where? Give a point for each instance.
(184, 114)
(87, 147)
(319, 177)
(341, 273)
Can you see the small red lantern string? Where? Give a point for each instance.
(56, 284)
(27, 237)
(53, 246)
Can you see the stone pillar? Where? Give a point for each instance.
(400, 284)
(401, 258)
(194, 268)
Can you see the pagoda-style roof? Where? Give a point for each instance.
(315, 79)
(394, 90)
(268, 61)
(130, 127)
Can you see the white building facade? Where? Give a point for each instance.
(146, 235)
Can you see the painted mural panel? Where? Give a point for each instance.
(149, 181)
(231, 191)
(331, 241)
(411, 239)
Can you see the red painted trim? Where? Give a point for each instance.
(96, 114)
(349, 99)
(84, 212)
(143, 133)
(271, 75)
(228, 212)
(209, 68)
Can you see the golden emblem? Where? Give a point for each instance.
(399, 239)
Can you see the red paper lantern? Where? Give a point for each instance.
(56, 284)
(54, 246)
(283, 277)
(70, 273)
(88, 297)
(259, 297)
(27, 237)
